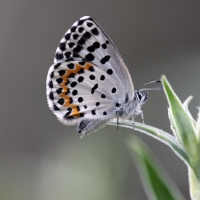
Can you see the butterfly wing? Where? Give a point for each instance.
(88, 77)
(86, 40)
(81, 93)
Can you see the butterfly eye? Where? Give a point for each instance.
(140, 96)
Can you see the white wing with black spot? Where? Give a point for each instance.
(86, 40)
(81, 89)
(88, 81)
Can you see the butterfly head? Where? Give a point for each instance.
(140, 97)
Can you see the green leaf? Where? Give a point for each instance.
(186, 104)
(181, 120)
(156, 185)
(158, 134)
(198, 126)
(194, 186)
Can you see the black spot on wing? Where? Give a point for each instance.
(80, 79)
(113, 90)
(67, 54)
(89, 57)
(71, 66)
(80, 29)
(50, 84)
(62, 46)
(59, 91)
(52, 74)
(89, 24)
(104, 46)
(80, 22)
(105, 59)
(82, 114)
(110, 71)
(62, 72)
(81, 41)
(82, 63)
(59, 80)
(67, 36)
(70, 100)
(92, 77)
(87, 35)
(94, 88)
(91, 69)
(117, 104)
(73, 84)
(91, 48)
(81, 71)
(55, 107)
(95, 31)
(69, 110)
(102, 77)
(61, 101)
(73, 28)
(57, 65)
(71, 44)
(59, 56)
(77, 49)
(103, 96)
(80, 99)
(51, 96)
(75, 36)
(93, 112)
(96, 45)
(74, 92)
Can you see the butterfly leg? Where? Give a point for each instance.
(142, 116)
(133, 120)
(117, 122)
(140, 112)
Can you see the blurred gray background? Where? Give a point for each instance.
(42, 159)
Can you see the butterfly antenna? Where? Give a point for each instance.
(157, 81)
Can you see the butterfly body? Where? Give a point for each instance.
(89, 83)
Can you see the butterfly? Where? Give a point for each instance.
(89, 84)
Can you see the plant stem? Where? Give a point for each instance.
(194, 186)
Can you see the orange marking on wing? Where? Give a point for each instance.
(63, 85)
(88, 65)
(67, 101)
(75, 112)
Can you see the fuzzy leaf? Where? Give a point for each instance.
(185, 106)
(198, 126)
(180, 119)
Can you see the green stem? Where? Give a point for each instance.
(194, 186)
